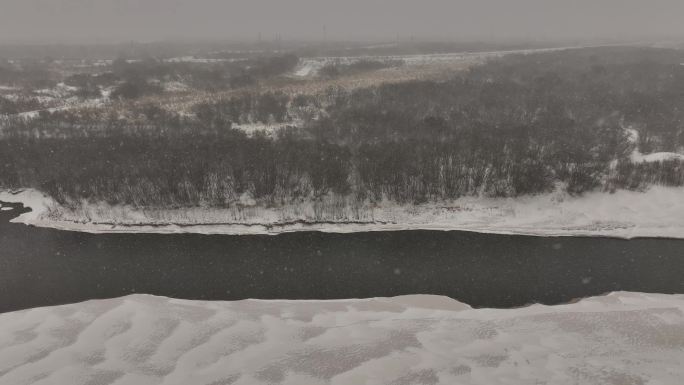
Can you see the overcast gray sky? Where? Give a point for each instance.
(119, 20)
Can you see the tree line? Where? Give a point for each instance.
(522, 124)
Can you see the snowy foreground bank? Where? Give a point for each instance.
(658, 212)
(619, 339)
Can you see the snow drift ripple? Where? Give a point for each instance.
(620, 338)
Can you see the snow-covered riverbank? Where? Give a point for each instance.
(658, 212)
(621, 338)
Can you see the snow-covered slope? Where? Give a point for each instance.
(618, 339)
(637, 157)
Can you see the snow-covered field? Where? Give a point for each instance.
(617, 339)
(311, 66)
(658, 212)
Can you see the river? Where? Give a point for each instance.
(41, 267)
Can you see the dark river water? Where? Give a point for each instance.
(40, 267)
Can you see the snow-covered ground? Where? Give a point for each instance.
(658, 212)
(60, 98)
(637, 157)
(60, 91)
(270, 130)
(618, 339)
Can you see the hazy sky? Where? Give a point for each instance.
(90, 20)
